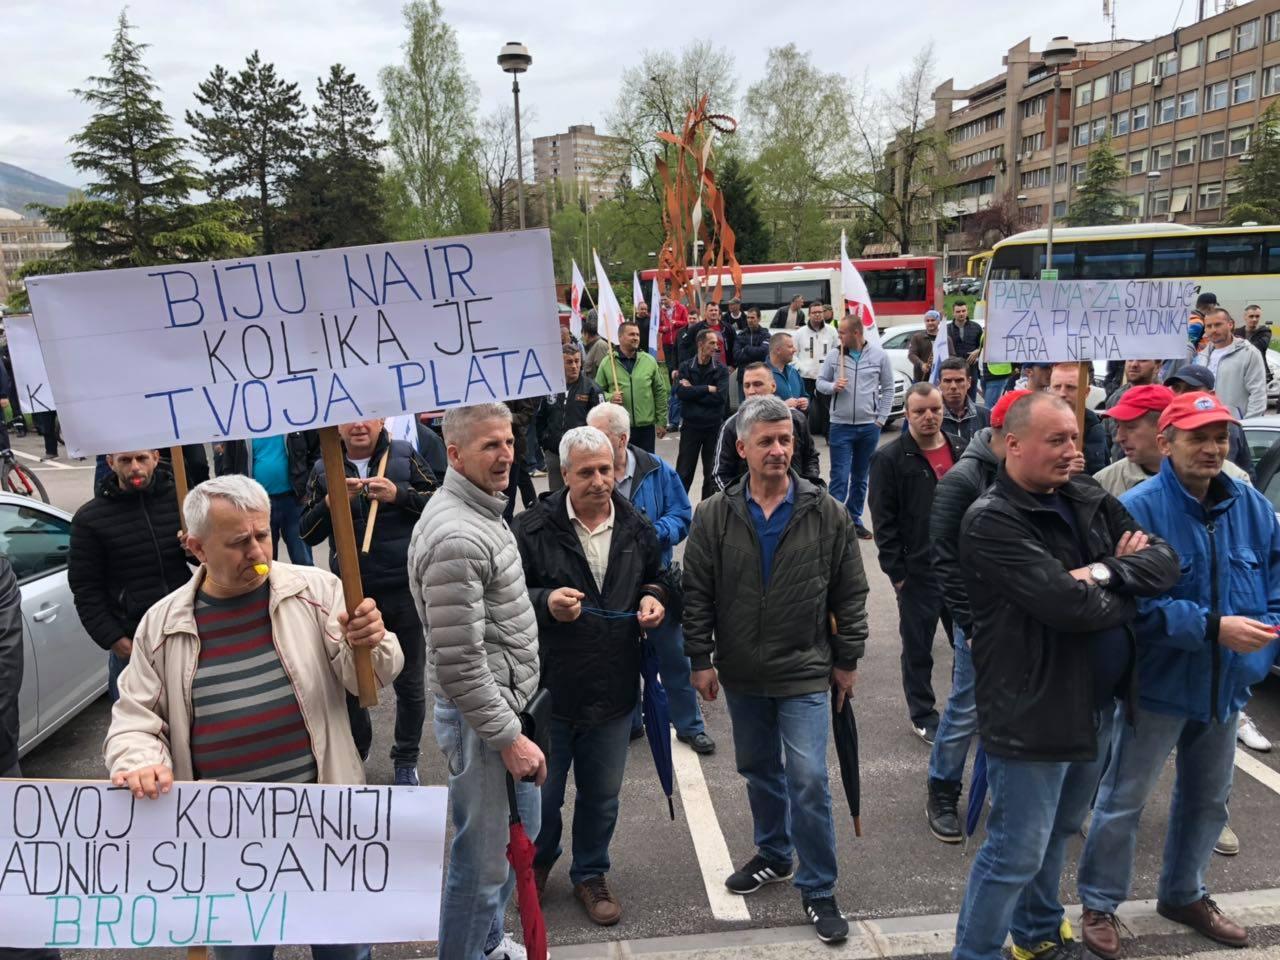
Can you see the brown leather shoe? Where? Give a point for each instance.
(599, 902)
(1204, 917)
(1101, 932)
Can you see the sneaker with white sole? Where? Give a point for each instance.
(1228, 844)
(1247, 733)
(508, 949)
(757, 873)
(828, 922)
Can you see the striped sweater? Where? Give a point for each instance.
(246, 723)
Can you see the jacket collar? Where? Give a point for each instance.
(1223, 493)
(646, 463)
(807, 496)
(484, 503)
(911, 447)
(181, 615)
(970, 410)
(1079, 491)
(979, 448)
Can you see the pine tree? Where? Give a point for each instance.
(1099, 201)
(137, 212)
(1259, 197)
(743, 212)
(251, 133)
(334, 198)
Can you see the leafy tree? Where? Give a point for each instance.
(138, 210)
(742, 211)
(1099, 200)
(434, 185)
(251, 133)
(1259, 197)
(333, 198)
(496, 162)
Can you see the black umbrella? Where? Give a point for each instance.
(657, 718)
(845, 728)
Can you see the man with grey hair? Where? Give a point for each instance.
(248, 652)
(592, 564)
(772, 562)
(482, 666)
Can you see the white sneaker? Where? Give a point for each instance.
(508, 949)
(1248, 734)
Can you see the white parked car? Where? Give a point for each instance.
(63, 670)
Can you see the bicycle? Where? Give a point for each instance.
(15, 478)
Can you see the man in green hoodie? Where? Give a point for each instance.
(631, 378)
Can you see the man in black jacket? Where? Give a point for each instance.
(758, 381)
(964, 339)
(125, 553)
(751, 345)
(561, 412)
(1054, 567)
(904, 474)
(591, 564)
(1064, 383)
(282, 464)
(956, 492)
(961, 417)
(703, 389)
(771, 562)
(391, 473)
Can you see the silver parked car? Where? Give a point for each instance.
(64, 671)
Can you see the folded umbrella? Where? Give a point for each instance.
(977, 792)
(657, 718)
(845, 728)
(520, 856)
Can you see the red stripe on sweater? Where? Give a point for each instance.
(297, 747)
(236, 723)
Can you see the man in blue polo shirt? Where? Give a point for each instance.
(782, 350)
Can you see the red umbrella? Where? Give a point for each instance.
(520, 856)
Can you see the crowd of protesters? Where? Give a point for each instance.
(1110, 595)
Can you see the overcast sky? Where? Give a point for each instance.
(578, 47)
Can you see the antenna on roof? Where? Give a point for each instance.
(1109, 14)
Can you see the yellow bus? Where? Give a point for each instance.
(976, 266)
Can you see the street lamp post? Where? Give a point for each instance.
(1057, 55)
(515, 60)
(1152, 177)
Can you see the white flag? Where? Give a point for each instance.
(655, 307)
(941, 350)
(607, 307)
(857, 299)
(403, 427)
(578, 286)
(637, 293)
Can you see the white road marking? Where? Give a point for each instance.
(1258, 770)
(49, 463)
(708, 839)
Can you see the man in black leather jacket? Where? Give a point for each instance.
(1053, 567)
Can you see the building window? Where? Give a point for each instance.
(1218, 46)
(1137, 203)
(1034, 107)
(1101, 87)
(1141, 73)
(1060, 209)
(1213, 146)
(1184, 152)
(1160, 202)
(1233, 187)
(1165, 110)
(1210, 196)
(1077, 172)
(1189, 56)
(1246, 36)
(1141, 117)
(1033, 143)
(1162, 157)
(1167, 63)
(1187, 104)
(1238, 140)
(1242, 89)
(1270, 81)
(1035, 178)
(1120, 123)
(1181, 200)
(1060, 173)
(1084, 95)
(1138, 162)
(1099, 130)
(1215, 96)
(1080, 135)
(1124, 79)
(1273, 27)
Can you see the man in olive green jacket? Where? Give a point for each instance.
(633, 379)
(769, 562)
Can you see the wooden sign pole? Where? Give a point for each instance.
(373, 507)
(1082, 394)
(179, 463)
(344, 541)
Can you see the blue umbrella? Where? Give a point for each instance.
(657, 718)
(977, 791)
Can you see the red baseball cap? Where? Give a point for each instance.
(1007, 400)
(1192, 410)
(1140, 400)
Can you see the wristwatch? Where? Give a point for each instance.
(1100, 573)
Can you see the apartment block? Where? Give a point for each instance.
(580, 156)
(23, 239)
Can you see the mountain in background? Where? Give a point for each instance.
(19, 187)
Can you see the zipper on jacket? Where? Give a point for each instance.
(142, 505)
(1210, 527)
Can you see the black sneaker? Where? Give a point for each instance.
(758, 872)
(862, 532)
(942, 810)
(827, 920)
(928, 731)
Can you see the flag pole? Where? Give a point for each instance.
(613, 366)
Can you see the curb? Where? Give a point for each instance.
(875, 939)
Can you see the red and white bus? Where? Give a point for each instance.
(902, 289)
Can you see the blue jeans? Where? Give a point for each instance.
(959, 721)
(479, 881)
(674, 412)
(533, 459)
(342, 951)
(851, 449)
(286, 517)
(674, 669)
(1036, 808)
(780, 744)
(993, 388)
(598, 756)
(115, 666)
(1205, 764)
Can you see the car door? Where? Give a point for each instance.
(70, 669)
(28, 702)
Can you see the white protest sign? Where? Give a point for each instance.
(31, 381)
(189, 353)
(1073, 320)
(84, 865)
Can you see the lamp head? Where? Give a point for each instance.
(1059, 52)
(514, 58)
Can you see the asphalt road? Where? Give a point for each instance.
(895, 869)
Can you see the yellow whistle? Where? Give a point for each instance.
(261, 569)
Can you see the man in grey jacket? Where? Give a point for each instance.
(482, 664)
(1239, 371)
(859, 379)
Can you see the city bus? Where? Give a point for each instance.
(1240, 265)
(902, 289)
(976, 266)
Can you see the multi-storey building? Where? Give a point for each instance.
(23, 239)
(591, 161)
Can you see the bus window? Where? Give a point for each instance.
(1232, 254)
(900, 284)
(1113, 260)
(1064, 260)
(1175, 257)
(809, 289)
(1011, 263)
(1271, 249)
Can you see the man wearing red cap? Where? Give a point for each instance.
(1201, 645)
